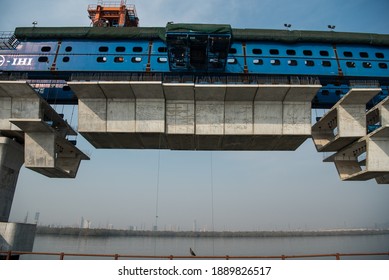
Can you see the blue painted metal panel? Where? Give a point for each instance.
(298, 59)
(38, 59)
(364, 61)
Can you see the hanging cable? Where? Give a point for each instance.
(157, 196)
(158, 171)
(212, 206)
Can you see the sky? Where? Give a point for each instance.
(216, 190)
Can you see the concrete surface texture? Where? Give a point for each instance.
(194, 116)
(11, 159)
(17, 237)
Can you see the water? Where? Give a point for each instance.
(179, 246)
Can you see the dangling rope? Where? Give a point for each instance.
(212, 206)
(157, 198)
(158, 171)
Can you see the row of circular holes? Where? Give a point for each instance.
(310, 53)
(311, 63)
(255, 51)
(102, 59)
(105, 49)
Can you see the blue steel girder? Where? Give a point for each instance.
(336, 66)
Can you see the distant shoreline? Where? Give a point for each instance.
(68, 231)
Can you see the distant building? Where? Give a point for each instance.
(85, 223)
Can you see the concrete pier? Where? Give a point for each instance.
(17, 237)
(11, 160)
(194, 116)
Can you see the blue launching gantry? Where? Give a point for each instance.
(208, 86)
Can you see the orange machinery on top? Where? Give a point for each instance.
(113, 13)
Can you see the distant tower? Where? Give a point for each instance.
(36, 220)
(194, 225)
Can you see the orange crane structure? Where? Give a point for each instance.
(113, 13)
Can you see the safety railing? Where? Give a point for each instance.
(110, 4)
(9, 255)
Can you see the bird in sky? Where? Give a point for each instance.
(191, 252)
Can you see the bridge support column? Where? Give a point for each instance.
(13, 236)
(11, 159)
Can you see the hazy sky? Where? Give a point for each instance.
(251, 190)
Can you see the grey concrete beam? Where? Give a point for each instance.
(210, 92)
(345, 122)
(147, 90)
(87, 90)
(209, 117)
(121, 115)
(379, 114)
(179, 91)
(241, 92)
(268, 118)
(150, 116)
(375, 147)
(301, 93)
(116, 89)
(238, 118)
(272, 93)
(16, 89)
(51, 155)
(180, 117)
(92, 115)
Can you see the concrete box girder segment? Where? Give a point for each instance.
(51, 155)
(364, 159)
(147, 90)
(282, 116)
(24, 103)
(379, 114)
(345, 122)
(210, 92)
(187, 115)
(42, 130)
(179, 91)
